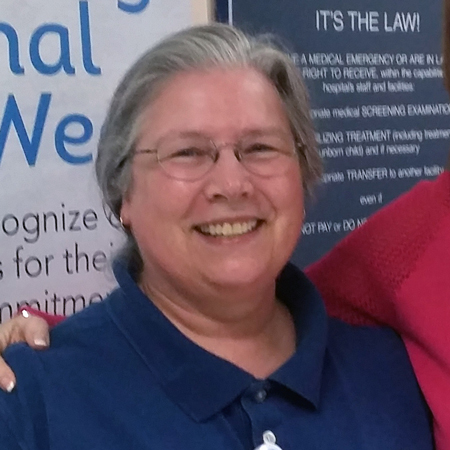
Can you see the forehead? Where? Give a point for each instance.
(214, 101)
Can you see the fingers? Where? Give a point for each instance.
(7, 378)
(35, 332)
(30, 329)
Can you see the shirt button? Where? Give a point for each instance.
(260, 395)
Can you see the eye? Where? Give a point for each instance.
(186, 155)
(191, 153)
(260, 149)
(188, 152)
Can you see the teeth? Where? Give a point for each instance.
(228, 230)
(237, 228)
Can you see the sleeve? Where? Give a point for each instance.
(51, 319)
(360, 277)
(23, 412)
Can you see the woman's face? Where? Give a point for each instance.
(172, 220)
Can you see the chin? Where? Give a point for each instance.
(242, 274)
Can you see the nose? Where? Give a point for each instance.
(228, 178)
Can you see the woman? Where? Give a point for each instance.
(212, 339)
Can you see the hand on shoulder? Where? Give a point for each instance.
(23, 327)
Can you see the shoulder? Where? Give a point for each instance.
(85, 323)
(406, 221)
(376, 356)
(77, 351)
(372, 365)
(79, 336)
(373, 343)
(360, 277)
(370, 340)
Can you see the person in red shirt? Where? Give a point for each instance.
(395, 270)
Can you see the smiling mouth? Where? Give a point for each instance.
(227, 229)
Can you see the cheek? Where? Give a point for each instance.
(156, 201)
(291, 193)
(291, 206)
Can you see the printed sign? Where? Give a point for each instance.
(377, 96)
(61, 60)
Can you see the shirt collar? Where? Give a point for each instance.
(201, 383)
(302, 373)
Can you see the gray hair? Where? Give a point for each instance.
(201, 47)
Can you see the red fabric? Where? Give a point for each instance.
(49, 318)
(395, 270)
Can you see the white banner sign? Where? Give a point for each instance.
(60, 62)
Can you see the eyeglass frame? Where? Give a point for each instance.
(297, 147)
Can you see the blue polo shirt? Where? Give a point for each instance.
(120, 376)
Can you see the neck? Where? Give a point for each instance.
(250, 329)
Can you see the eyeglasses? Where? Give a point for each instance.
(190, 157)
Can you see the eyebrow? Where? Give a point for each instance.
(246, 132)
